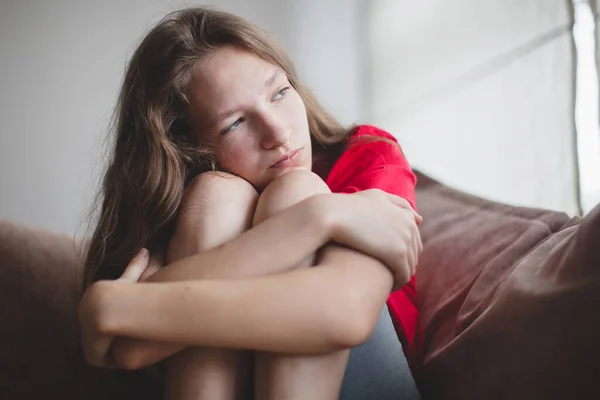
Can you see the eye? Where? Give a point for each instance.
(232, 126)
(281, 94)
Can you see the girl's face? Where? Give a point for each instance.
(247, 108)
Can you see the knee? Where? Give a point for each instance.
(215, 208)
(286, 191)
(213, 184)
(217, 191)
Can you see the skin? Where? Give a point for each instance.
(247, 109)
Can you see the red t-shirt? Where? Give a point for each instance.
(369, 163)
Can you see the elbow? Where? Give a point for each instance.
(127, 357)
(129, 363)
(354, 323)
(353, 333)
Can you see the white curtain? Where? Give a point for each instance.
(587, 116)
(480, 94)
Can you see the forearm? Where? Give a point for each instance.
(139, 353)
(295, 312)
(289, 236)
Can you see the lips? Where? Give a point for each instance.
(287, 159)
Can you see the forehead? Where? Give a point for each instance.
(228, 73)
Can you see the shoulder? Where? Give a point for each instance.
(371, 142)
(370, 130)
(372, 159)
(368, 149)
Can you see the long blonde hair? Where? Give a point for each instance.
(154, 154)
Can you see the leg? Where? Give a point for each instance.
(285, 377)
(377, 369)
(217, 207)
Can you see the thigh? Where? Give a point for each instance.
(377, 369)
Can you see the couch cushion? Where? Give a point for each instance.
(40, 277)
(510, 299)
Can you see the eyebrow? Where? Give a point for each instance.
(219, 118)
(273, 77)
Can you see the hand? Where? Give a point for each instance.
(96, 341)
(154, 265)
(381, 225)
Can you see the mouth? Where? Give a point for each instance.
(287, 160)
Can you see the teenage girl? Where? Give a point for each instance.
(276, 234)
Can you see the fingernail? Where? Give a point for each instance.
(143, 252)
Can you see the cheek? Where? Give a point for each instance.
(297, 110)
(228, 153)
(236, 156)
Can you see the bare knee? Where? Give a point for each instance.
(213, 185)
(286, 191)
(220, 198)
(216, 208)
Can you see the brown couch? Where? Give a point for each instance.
(510, 301)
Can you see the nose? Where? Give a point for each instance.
(275, 133)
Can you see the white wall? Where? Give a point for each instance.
(62, 63)
(480, 94)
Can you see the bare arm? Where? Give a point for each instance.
(295, 312)
(378, 228)
(139, 353)
(378, 225)
(288, 236)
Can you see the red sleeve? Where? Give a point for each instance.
(373, 163)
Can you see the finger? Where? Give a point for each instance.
(136, 266)
(417, 253)
(420, 243)
(412, 259)
(398, 201)
(403, 203)
(417, 246)
(402, 275)
(418, 218)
